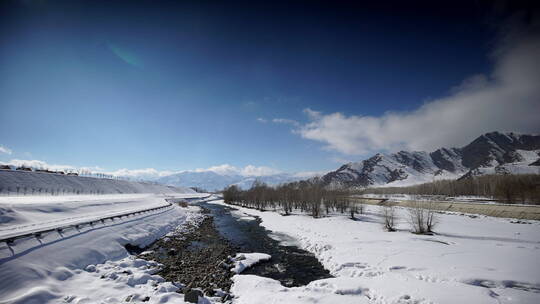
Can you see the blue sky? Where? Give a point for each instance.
(134, 84)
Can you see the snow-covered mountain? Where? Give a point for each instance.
(493, 152)
(212, 181)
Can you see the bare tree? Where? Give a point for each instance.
(353, 210)
(422, 218)
(390, 218)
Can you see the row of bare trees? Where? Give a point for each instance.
(305, 196)
(25, 190)
(312, 198)
(72, 172)
(520, 188)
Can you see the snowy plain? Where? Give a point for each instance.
(471, 259)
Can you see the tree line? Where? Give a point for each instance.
(510, 188)
(307, 196)
(314, 199)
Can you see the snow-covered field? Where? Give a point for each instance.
(55, 268)
(469, 260)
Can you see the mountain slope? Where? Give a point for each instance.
(490, 153)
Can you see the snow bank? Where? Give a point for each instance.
(469, 260)
(41, 183)
(121, 281)
(37, 270)
(242, 261)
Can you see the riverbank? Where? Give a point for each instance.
(208, 254)
(467, 260)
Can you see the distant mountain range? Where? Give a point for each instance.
(494, 152)
(213, 181)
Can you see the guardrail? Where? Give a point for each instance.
(37, 233)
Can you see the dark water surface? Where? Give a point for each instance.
(290, 265)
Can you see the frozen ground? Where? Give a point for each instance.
(49, 270)
(469, 260)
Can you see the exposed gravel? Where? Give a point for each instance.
(197, 258)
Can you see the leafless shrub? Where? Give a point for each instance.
(353, 209)
(389, 215)
(422, 218)
(360, 207)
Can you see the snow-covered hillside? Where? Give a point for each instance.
(39, 183)
(490, 153)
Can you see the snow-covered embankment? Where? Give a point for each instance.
(49, 267)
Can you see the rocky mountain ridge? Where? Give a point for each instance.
(493, 152)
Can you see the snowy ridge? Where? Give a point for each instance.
(40, 183)
(500, 153)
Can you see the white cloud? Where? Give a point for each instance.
(148, 173)
(341, 160)
(263, 120)
(38, 164)
(248, 170)
(258, 171)
(5, 150)
(507, 100)
(224, 169)
(286, 121)
(309, 174)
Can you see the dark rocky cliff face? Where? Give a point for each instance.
(498, 147)
(447, 159)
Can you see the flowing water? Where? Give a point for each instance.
(289, 264)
